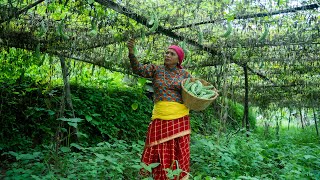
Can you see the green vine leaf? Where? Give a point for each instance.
(134, 106)
(88, 118)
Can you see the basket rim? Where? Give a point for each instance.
(214, 89)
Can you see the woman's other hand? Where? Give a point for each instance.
(130, 45)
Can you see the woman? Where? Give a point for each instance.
(168, 137)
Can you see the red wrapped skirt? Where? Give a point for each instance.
(168, 143)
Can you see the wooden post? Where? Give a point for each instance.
(301, 119)
(277, 128)
(66, 99)
(245, 121)
(315, 120)
(289, 118)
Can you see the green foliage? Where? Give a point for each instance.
(254, 158)
(31, 113)
(208, 121)
(15, 62)
(235, 113)
(123, 114)
(212, 157)
(25, 117)
(147, 167)
(205, 122)
(106, 160)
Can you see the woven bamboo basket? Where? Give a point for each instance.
(196, 103)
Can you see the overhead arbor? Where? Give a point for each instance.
(276, 43)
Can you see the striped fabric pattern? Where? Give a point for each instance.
(169, 154)
(160, 131)
(168, 142)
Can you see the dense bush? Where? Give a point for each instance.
(25, 118)
(123, 114)
(29, 113)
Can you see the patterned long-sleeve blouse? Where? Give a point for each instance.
(166, 82)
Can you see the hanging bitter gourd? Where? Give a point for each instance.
(60, 30)
(263, 37)
(228, 31)
(43, 29)
(200, 36)
(198, 89)
(154, 21)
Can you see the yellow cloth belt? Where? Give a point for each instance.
(167, 110)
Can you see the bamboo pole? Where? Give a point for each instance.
(315, 120)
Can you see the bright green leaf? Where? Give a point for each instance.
(73, 124)
(65, 149)
(142, 81)
(76, 146)
(148, 168)
(75, 120)
(88, 118)
(79, 134)
(153, 165)
(134, 106)
(100, 156)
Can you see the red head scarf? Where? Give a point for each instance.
(179, 52)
